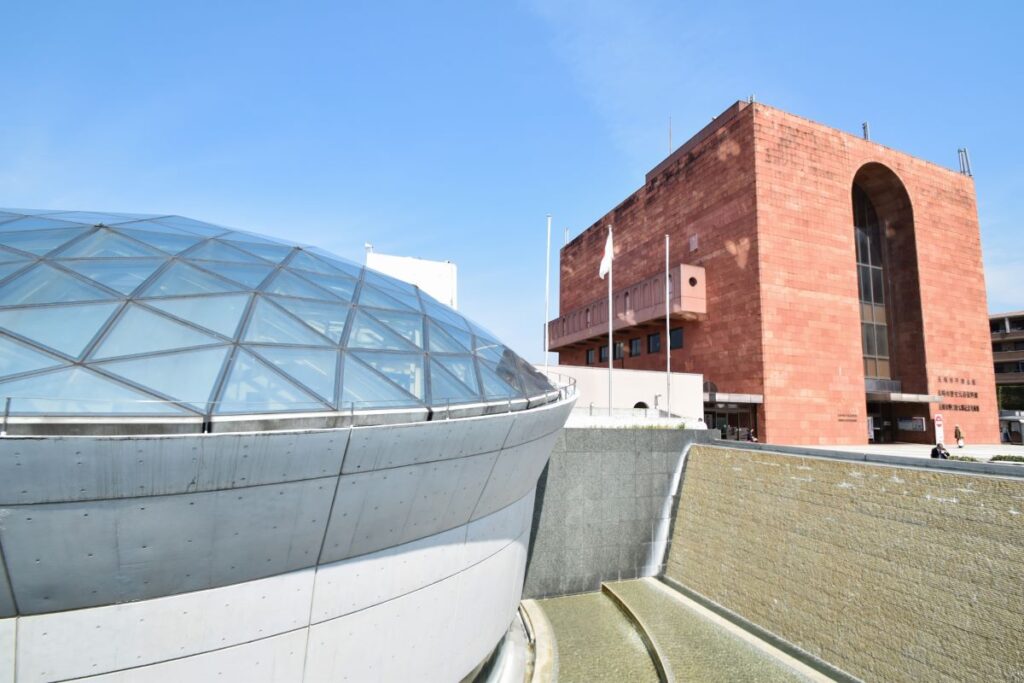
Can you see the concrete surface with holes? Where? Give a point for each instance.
(283, 556)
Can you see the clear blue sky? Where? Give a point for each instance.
(448, 130)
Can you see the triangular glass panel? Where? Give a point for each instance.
(219, 313)
(327, 318)
(289, 284)
(253, 387)
(390, 284)
(365, 389)
(96, 217)
(371, 296)
(182, 278)
(342, 286)
(41, 242)
(189, 225)
(407, 324)
(80, 391)
(186, 376)
(36, 223)
(9, 268)
(48, 325)
(122, 275)
(8, 255)
(153, 226)
(404, 369)
(442, 342)
(138, 330)
(368, 333)
(107, 244)
(252, 238)
(213, 250)
(461, 336)
(353, 270)
(47, 285)
(268, 324)
(495, 386)
(315, 369)
(16, 358)
(445, 389)
(462, 367)
(304, 261)
(172, 243)
(248, 274)
(274, 253)
(490, 349)
(432, 308)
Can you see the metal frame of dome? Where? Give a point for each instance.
(181, 325)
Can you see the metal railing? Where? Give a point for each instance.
(88, 415)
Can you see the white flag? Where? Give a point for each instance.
(606, 262)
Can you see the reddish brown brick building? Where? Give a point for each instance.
(832, 287)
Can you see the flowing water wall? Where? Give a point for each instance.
(890, 570)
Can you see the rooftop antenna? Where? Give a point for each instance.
(368, 247)
(965, 162)
(751, 99)
(867, 130)
(565, 236)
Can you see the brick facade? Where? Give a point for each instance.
(767, 195)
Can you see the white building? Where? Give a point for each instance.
(439, 279)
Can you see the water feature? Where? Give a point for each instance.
(596, 642)
(643, 630)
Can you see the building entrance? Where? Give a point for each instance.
(736, 421)
(881, 423)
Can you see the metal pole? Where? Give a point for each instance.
(7, 412)
(668, 336)
(611, 344)
(547, 298)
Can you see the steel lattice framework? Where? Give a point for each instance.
(127, 314)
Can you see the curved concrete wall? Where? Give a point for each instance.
(310, 552)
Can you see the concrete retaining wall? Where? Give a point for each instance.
(604, 507)
(898, 573)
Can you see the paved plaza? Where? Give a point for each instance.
(982, 452)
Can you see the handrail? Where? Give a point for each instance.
(87, 414)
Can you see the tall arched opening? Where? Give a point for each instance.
(889, 297)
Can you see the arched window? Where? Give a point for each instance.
(625, 306)
(871, 282)
(588, 317)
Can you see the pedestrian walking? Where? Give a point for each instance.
(959, 435)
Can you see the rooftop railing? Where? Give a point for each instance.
(69, 416)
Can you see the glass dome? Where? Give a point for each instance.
(127, 314)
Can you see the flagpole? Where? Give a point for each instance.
(668, 336)
(611, 345)
(547, 298)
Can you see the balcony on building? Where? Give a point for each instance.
(639, 304)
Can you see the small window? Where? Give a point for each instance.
(634, 347)
(604, 354)
(626, 299)
(618, 350)
(654, 343)
(590, 356)
(676, 338)
(588, 317)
